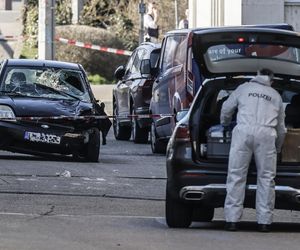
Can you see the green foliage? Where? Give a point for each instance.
(63, 12)
(111, 15)
(31, 26)
(96, 13)
(63, 16)
(97, 79)
(94, 61)
(28, 52)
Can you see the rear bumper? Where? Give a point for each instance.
(287, 198)
(202, 192)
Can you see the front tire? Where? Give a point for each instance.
(178, 214)
(122, 133)
(92, 149)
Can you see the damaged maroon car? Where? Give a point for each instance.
(47, 107)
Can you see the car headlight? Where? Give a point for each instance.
(7, 113)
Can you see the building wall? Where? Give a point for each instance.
(262, 12)
(205, 13)
(233, 12)
(292, 14)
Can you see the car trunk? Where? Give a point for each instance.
(228, 59)
(211, 144)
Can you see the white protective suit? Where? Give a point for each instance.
(260, 130)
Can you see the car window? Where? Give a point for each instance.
(137, 61)
(154, 57)
(53, 83)
(239, 51)
(129, 64)
(174, 52)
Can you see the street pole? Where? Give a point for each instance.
(46, 29)
(77, 6)
(142, 11)
(176, 13)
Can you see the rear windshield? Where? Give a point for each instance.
(239, 51)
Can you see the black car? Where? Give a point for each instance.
(132, 94)
(48, 107)
(198, 151)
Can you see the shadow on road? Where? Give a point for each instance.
(60, 158)
(248, 226)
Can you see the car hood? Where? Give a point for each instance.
(250, 49)
(37, 107)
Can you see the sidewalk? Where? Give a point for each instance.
(104, 94)
(10, 25)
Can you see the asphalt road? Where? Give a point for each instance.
(117, 203)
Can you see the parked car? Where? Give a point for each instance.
(132, 94)
(178, 80)
(45, 89)
(198, 151)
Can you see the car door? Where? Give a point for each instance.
(164, 88)
(136, 76)
(123, 86)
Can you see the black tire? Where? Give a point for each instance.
(203, 213)
(178, 214)
(92, 149)
(122, 133)
(156, 145)
(139, 135)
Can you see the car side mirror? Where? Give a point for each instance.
(119, 72)
(145, 67)
(181, 114)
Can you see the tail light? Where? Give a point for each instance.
(182, 133)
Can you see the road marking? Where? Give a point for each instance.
(88, 215)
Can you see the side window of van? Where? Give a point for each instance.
(175, 52)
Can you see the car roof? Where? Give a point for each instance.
(149, 45)
(42, 63)
(271, 27)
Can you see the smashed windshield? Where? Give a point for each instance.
(240, 51)
(54, 83)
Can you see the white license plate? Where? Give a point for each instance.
(42, 137)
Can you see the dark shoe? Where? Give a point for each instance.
(231, 226)
(264, 228)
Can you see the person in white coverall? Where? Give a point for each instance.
(260, 130)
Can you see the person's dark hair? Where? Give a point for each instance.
(267, 72)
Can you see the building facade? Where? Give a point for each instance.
(205, 13)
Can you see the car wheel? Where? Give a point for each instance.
(92, 149)
(121, 132)
(156, 145)
(178, 214)
(203, 213)
(139, 135)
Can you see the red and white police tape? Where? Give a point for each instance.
(93, 46)
(75, 43)
(88, 117)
